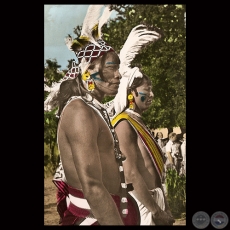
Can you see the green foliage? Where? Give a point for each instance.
(176, 193)
(51, 73)
(50, 137)
(107, 98)
(50, 127)
(49, 166)
(164, 61)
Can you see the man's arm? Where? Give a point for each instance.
(82, 132)
(167, 208)
(129, 147)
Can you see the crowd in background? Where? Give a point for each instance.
(174, 150)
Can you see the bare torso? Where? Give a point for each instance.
(152, 178)
(95, 156)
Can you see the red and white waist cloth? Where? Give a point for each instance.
(76, 210)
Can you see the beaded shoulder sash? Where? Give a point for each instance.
(147, 139)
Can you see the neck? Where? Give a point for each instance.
(133, 112)
(137, 110)
(98, 95)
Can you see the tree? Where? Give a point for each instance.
(51, 75)
(164, 61)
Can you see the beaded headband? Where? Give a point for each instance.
(88, 47)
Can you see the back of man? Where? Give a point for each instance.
(152, 178)
(143, 166)
(91, 185)
(80, 118)
(86, 145)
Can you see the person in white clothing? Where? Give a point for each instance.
(161, 141)
(183, 153)
(173, 153)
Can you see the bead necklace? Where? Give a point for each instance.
(118, 155)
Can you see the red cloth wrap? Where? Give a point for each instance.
(75, 214)
(62, 192)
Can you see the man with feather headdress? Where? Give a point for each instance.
(144, 162)
(90, 177)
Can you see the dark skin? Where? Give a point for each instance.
(138, 166)
(87, 154)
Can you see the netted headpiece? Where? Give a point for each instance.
(139, 36)
(88, 47)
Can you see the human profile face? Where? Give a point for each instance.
(111, 76)
(174, 138)
(144, 97)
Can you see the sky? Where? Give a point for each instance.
(59, 21)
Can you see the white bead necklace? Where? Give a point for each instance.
(135, 113)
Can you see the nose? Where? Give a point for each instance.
(151, 94)
(117, 74)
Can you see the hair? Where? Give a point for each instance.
(179, 136)
(157, 135)
(75, 87)
(138, 82)
(172, 134)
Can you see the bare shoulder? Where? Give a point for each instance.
(78, 108)
(124, 129)
(123, 124)
(78, 112)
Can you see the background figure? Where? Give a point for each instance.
(183, 153)
(90, 177)
(173, 152)
(162, 143)
(139, 146)
(135, 96)
(144, 164)
(179, 138)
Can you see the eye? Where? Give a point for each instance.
(110, 67)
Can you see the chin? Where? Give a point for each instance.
(112, 93)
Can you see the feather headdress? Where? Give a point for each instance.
(91, 28)
(87, 48)
(139, 36)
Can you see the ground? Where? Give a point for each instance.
(50, 210)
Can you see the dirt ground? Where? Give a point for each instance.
(50, 211)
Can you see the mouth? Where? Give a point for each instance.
(116, 84)
(149, 102)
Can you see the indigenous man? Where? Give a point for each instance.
(90, 178)
(144, 164)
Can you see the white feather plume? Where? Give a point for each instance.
(138, 37)
(103, 19)
(68, 41)
(48, 105)
(84, 65)
(90, 20)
